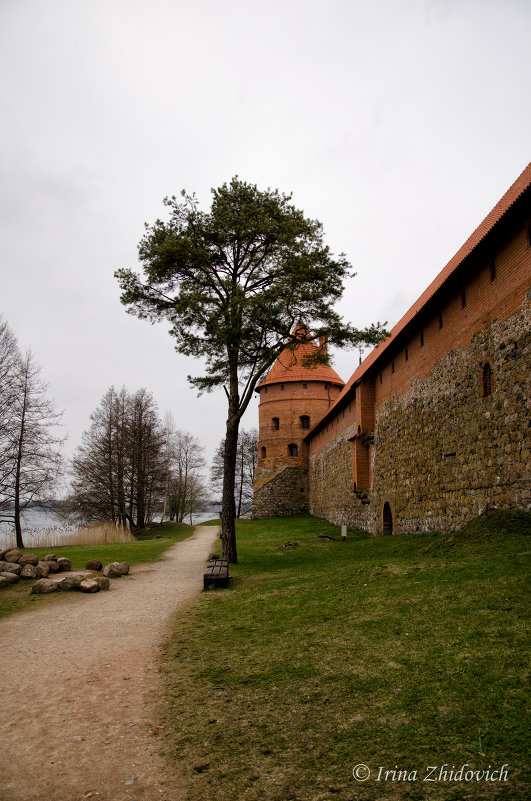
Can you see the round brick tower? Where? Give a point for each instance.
(293, 398)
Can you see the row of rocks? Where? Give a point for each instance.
(15, 565)
(81, 583)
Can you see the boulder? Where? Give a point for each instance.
(3, 553)
(93, 564)
(12, 556)
(10, 567)
(123, 567)
(4, 580)
(64, 564)
(69, 583)
(43, 569)
(112, 570)
(51, 557)
(102, 581)
(28, 559)
(29, 571)
(44, 585)
(89, 585)
(12, 578)
(54, 567)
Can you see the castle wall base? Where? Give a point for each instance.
(280, 491)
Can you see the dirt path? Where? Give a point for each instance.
(75, 681)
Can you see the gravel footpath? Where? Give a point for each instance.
(75, 680)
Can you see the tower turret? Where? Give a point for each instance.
(293, 398)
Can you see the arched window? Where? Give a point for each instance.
(387, 519)
(263, 452)
(486, 380)
(293, 449)
(305, 421)
(275, 423)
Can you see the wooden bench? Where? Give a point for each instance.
(217, 573)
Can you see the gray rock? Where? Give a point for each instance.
(10, 567)
(54, 567)
(12, 578)
(12, 556)
(44, 585)
(112, 570)
(93, 564)
(29, 571)
(4, 580)
(43, 569)
(123, 567)
(3, 553)
(28, 559)
(51, 557)
(103, 582)
(64, 564)
(69, 583)
(89, 585)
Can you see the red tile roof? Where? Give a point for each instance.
(288, 367)
(522, 183)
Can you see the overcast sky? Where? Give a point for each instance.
(397, 123)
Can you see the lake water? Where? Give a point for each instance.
(37, 519)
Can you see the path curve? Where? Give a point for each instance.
(75, 678)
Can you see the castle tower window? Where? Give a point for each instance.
(293, 449)
(263, 452)
(421, 339)
(492, 270)
(486, 380)
(305, 421)
(463, 299)
(282, 386)
(393, 366)
(440, 321)
(407, 354)
(275, 423)
(305, 386)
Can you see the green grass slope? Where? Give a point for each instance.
(398, 652)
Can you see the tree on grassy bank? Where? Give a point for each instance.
(185, 491)
(119, 470)
(246, 460)
(30, 457)
(235, 282)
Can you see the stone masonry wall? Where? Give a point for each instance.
(442, 452)
(280, 491)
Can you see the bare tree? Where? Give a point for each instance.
(246, 458)
(187, 464)
(10, 362)
(119, 468)
(35, 445)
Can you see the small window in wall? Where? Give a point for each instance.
(275, 423)
(440, 321)
(387, 519)
(393, 366)
(421, 339)
(407, 354)
(282, 386)
(486, 380)
(293, 449)
(305, 386)
(463, 299)
(305, 421)
(263, 452)
(492, 270)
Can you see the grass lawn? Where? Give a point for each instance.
(396, 652)
(148, 547)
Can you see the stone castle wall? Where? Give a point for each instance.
(442, 453)
(280, 491)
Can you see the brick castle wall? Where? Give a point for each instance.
(442, 453)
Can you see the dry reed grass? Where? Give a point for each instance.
(95, 534)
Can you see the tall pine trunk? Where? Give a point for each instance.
(228, 506)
